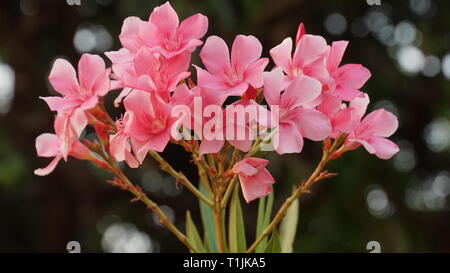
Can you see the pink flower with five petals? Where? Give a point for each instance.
(373, 130)
(294, 117)
(231, 77)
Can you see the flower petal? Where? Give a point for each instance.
(193, 27)
(245, 50)
(301, 91)
(63, 78)
(47, 145)
(50, 167)
(313, 124)
(281, 55)
(215, 56)
(165, 18)
(384, 148)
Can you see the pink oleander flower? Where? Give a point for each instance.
(308, 58)
(231, 77)
(78, 96)
(373, 130)
(295, 119)
(93, 83)
(344, 81)
(150, 72)
(171, 38)
(149, 122)
(49, 145)
(120, 146)
(254, 177)
(163, 33)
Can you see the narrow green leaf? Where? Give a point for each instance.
(236, 227)
(288, 227)
(267, 212)
(208, 223)
(274, 244)
(192, 234)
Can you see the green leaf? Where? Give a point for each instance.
(192, 234)
(236, 227)
(288, 227)
(274, 244)
(264, 212)
(208, 223)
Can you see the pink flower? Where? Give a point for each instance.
(163, 33)
(49, 145)
(170, 38)
(295, 120)
(254, 177)
(77, 96)
(231, 78)
(308, 57)
(120, 146)
(373, 130)
(149, 122)
(344, 80)
(149, 72)
(94, 83)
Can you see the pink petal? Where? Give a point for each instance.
(281, 55)
(253, 75)
(243, 145)
(145, 63)
(193, 27)
(313, 124)
(302, 91)
(343, 121)
(129, 36)
(347, 93)
(353, 75)
(384, 148)
(335, 55)
(215, 56)
(103, 84)
(90, 68)
(360, 106)
(245, 50)
(378, 123)
(47, 145)
(63, 78)
(256, 186)
(288, 139)
(208, 80)
(60, 103)
(211, 146)
(165, 18)
(273, 82)
(157, 142)
(78, 121)
(244, 168)
(309, 48)
(47, 170)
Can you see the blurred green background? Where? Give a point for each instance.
(403, 203)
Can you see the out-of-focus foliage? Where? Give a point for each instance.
(403, 203)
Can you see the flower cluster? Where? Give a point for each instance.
(309, 94)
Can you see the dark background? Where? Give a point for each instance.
(402, 202)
